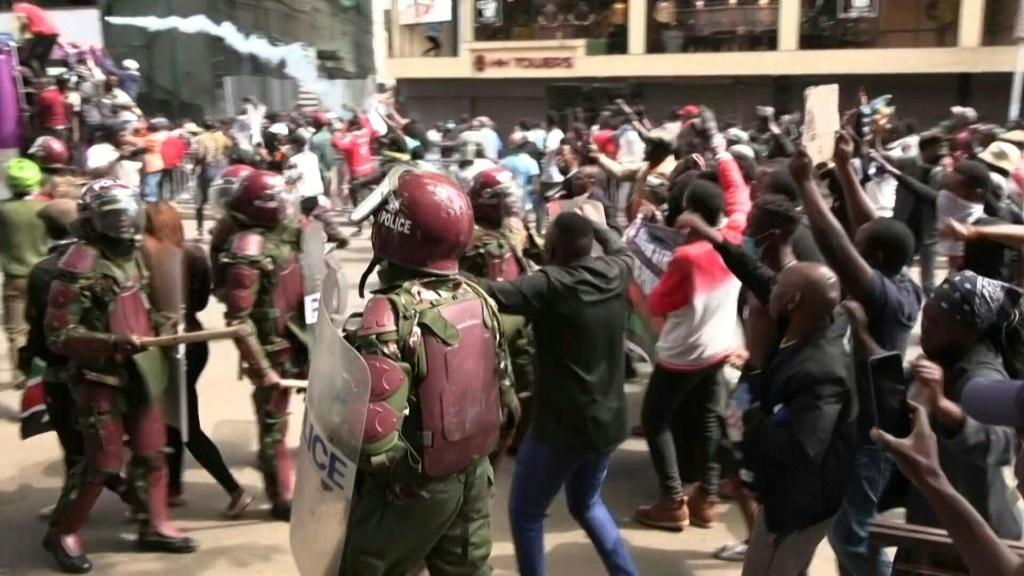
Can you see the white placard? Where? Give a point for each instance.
(821, 121)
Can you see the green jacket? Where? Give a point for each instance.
(320, 144)
(23, 237)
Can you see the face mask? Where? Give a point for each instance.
(750, 245)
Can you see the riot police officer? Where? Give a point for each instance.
(503, 248)
(262, 287)
(98, 309)
(440, 391)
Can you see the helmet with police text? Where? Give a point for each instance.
(493, 195)
(110, 209)
(223, 188)
(260, 199)
(425, 224)
(50, 152)
(23, 176)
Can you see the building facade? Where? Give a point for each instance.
(512, 59)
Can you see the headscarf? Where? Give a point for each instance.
(978, 301)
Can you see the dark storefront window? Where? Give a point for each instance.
(1000, 18)
(879, 23)
(601, 22)
(712, 25)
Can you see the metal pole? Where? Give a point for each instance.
(1018, 83)
(1018, 70)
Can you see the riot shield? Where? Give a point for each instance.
(332, 428)
(167, 290)
(314, 244)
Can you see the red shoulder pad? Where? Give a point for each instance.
(79, 259)
(378, 317)
(247, 244)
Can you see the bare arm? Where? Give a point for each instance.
(917, 456)
(858, 207)
(615, 169)
(855, 275)
(1009, 234)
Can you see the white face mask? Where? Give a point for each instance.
(950, 205)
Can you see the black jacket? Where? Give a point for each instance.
(39, 280)
(800, 440)
(578, 315)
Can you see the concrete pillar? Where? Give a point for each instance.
(972, 23)
(636, 23)
(467, 21)
(789, 24)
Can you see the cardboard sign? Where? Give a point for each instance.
(821, 121)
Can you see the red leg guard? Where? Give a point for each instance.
(103, 431)
(148, 433)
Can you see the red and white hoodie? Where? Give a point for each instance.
(698, 294)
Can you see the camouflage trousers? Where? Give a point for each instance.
(275, 461)
(397, 527)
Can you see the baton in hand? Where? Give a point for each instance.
(239, 331)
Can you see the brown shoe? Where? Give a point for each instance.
(667, 513)
(702, 510)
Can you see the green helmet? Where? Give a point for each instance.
(23, 176)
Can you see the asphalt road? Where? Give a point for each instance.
(254, 545)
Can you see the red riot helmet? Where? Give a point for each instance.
(110, 209)
(426, 223)
(223, 188)
(493, 195)
(260, 199)
(50, 152)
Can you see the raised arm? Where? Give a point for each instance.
(859, 209)
(855, 276)
(1010, 234)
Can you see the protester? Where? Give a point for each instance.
(527, 174)
(321, 144)
(303, 171)
(212, 149)
(577, 305)
(164, 228)
(44, 33)
(23, 242)
(872, 272)
(800, 435)
(698, 296)
(960, 337)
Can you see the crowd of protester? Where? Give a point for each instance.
(796, 274)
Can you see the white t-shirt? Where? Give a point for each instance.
(303, 172)
(550, 173)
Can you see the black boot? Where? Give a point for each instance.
(281, 511)
(54, 544)
(150, 541)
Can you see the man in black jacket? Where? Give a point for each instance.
(577, 306)
(799, 440)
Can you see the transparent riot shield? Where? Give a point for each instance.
(314, 268)
(332, 428)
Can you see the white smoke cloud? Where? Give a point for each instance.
(299, 62)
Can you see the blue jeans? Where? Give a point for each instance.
(151, 186)
(541, 471)
(849, 535)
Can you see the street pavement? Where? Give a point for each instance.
(254, 545)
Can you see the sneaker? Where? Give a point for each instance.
(734, 552)
(703, 512)
(240, 501)
(667, 513)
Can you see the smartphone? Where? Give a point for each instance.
(887, 386)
